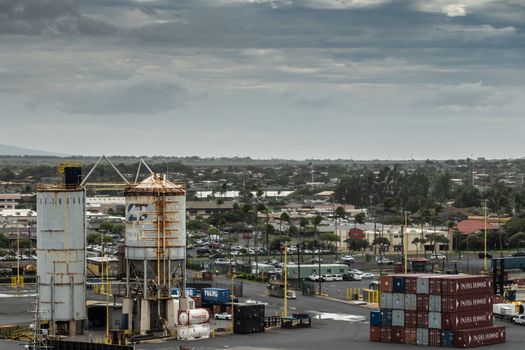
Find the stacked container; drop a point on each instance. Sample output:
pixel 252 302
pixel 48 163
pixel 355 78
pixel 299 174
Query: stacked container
pixel 436 310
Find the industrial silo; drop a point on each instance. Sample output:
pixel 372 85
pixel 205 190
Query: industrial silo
pixel 155 249
pixel 61 253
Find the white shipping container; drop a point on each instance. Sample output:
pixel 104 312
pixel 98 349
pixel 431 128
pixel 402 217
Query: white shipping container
pixel 422 336
pixel 434 320
pixel 422 285
pixel 398 318
pixel 398 301
pixel 434 303
pixel 386 300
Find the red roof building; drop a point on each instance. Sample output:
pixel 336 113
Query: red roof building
pixel 471 226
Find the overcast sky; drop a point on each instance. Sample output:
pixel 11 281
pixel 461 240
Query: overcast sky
pixel 295 79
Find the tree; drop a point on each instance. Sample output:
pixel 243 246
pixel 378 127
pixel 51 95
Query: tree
pixel 94 238
pixel 434 238
pixel 106 226
pixel 284 217
pixel 381 242
pixel 517 240
pixel 316 221
pixel 417 242
pixel 4 241
pixel 357 244
pixel 277 242
pixel 340 213
pixel 329 237
pixel 359 218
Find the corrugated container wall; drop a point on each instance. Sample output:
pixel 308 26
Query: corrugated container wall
pixel 61 251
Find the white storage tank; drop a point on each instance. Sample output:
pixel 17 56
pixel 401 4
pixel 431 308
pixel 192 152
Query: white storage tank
pixel 61 252
pixel 155 220
pixel 194 316
pixel 197 331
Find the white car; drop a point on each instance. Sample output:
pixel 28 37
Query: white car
pixel 327 278
pixel 313 277
pixel 348 259
pixel 223 316
pixel 221 261
pixel 368 275
pixel 520 319
pixel 438 257
pixel 338 277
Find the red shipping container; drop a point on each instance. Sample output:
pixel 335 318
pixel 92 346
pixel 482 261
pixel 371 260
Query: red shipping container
pixel 422 319
pixel 387 283
pixel 466 284
pixel 434 337
pixel 411 319
pixel 375 333
pixel 386 334
pixel 411 284
pixel 434 285
pixel 410 335
pixel 422 302
pixel 466 302
pixel 470 338
pixel 398 335
pixel 467 319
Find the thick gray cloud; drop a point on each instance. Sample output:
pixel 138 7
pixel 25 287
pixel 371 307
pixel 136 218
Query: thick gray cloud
pixel 48 16
pixel 237 73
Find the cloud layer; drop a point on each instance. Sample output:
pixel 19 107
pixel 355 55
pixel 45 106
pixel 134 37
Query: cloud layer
pixel 236 72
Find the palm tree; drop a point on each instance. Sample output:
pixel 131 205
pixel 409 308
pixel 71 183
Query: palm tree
pixel 359 218
pixel 417 242
pixel 284 217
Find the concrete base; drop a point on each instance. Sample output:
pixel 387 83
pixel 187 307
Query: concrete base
pixel 145 321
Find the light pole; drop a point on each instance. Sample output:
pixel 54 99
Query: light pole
pixel 485 237
pixel 232 296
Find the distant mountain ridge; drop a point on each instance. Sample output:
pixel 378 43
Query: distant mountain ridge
pixel 8 150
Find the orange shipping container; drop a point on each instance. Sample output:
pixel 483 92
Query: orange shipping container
pixel 387 283
pixel 375 333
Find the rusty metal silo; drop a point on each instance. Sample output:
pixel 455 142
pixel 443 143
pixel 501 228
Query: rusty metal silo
pixel 155 249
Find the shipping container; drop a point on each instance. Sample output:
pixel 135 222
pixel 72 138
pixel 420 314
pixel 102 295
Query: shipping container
pixel 466 302
pixel 411 284
pixel 473 337
pixel 375 333
pixel 410 335
pixel 398 284
pixel 386 334
pixel 398 301
pixel 386 283
pixel 422 302
pixel 213 296
pixel 422 285
pixel 447 338
pixel 386 300
pixel 398 318
pixel 411 319
pixel 466 284
pixel 422 336
pixel 410 302
pixel 466 319
pixel 434 285
pixel 422 319
pixel 375 318
pixel 434 303
pixel 434 337
pixel 386 317
pixel 398 335
pixel 434 320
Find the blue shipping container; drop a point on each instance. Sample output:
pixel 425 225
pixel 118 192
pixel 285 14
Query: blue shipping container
pixel 386 317
pixel 375 318
pixel 398 285
pixel 215 296
pixel 447 338
pixel 190 292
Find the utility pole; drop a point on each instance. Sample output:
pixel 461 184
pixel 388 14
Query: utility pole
pixel 485 237
pixel 285 309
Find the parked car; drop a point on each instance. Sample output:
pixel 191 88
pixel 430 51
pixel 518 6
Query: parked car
pixel 384 261
pixel 337 277
pixel 522 253
pixel 290 294
pixel 221 261
pixel 313 277
pixel 348 259
pixel 327 278
pixel 223 316
pixel 438 257
pixel 482 255
pixel 348 276
pixel 368 275
pixel 520 320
